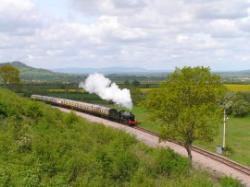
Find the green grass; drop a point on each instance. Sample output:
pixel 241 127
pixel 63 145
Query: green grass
pixel 41 146
pixel 145 119
pixel 237 139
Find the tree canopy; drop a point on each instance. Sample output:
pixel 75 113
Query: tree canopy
pixel 9 74
pixel 188 104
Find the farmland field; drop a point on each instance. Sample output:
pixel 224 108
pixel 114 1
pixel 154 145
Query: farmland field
pixel 230 87
pixel 238 87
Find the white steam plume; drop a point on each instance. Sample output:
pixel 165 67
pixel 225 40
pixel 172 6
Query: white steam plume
pixel 104 88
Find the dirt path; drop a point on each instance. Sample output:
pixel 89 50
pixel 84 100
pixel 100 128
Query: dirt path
pixel 199 160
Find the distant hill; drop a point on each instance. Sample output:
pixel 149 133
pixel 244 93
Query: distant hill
pixel 109 70
pixel 66 75
pixel 31 74
pixel 236 73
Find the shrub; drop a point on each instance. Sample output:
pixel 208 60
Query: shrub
pixel 169 163
pixel 24 144
pixel 228 151
pixel 5 178
pixel 240 108
pixel 71 118
pixel 125 164
pixel 229 182
pixel 34 111
pixel 31 179
pixel 3 110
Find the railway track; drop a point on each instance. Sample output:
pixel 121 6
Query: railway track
pixel 224 160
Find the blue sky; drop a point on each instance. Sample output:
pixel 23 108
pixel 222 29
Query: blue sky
pixel 160 34
pixel 54 7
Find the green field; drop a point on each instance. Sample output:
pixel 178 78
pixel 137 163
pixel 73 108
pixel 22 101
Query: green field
pixel 145 119
pixel 41 146
pixel 237 138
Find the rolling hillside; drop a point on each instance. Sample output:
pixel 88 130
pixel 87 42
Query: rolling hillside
pixel 41 146
pixel 30 74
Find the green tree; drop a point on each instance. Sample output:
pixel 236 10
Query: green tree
pixel 9 74
pixel 136 83
pixel 137 95
pixel 240 108
pixel 236 104
pixel 188 104
pixel 126 83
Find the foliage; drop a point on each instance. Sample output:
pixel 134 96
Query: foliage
pixel 71 118
pixel 167 163
pixel 229 182
pixel 136 83
pixel 245 96
pixel 188 104
pixel 126 83
pixel 45 147
pixel 136 94
pixel 237 104
pixel 240 108
pixel 9 74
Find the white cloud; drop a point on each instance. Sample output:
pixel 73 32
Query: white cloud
pixel 151 34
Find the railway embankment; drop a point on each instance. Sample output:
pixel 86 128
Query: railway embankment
pixel 200 160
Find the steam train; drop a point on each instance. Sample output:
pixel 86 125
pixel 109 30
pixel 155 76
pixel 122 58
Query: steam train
pixel 122 116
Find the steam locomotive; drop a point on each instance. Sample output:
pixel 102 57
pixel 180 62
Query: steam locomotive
pixel 122 116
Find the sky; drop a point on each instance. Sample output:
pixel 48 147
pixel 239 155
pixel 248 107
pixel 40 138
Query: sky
pixel 150 34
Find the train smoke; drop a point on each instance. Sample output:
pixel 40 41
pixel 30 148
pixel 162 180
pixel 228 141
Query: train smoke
pixel 104 88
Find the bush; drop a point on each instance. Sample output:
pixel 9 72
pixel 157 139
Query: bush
pixel 24 144
pixel 237 104
pixel 228 151
pixel 34 111
pixel 3 110
pixel 31 179
pixel 169 163
pixel 123 167
pixel 71 118
pixel 5 178
pixel 229 182
pixel 240 108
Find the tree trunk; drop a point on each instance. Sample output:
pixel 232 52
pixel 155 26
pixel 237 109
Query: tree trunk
pixel 188 148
